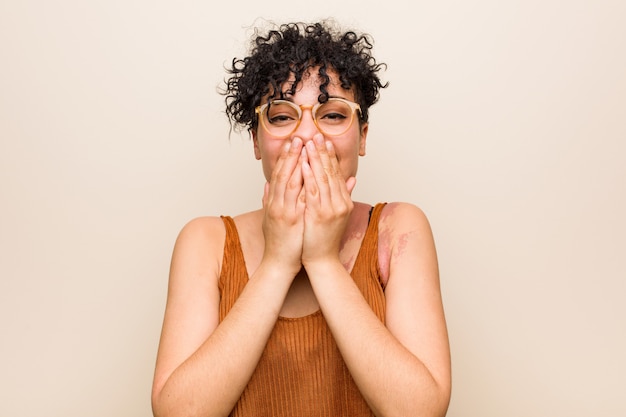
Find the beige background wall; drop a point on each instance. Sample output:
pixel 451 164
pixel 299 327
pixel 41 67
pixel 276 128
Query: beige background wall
pixel 504 120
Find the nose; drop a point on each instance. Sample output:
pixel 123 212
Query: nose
pixel 307 127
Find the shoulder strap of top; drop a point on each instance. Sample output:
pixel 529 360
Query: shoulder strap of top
pixel 371 234
pixel 233 253
pixel 367 259
pixel 233 276
pixel 376 210
pixel 232 244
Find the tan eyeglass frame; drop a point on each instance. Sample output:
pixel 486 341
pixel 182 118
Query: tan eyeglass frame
pixel 260 111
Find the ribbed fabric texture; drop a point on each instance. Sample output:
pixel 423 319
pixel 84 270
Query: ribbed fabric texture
pixel 301 372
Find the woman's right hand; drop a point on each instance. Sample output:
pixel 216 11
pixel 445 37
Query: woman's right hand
pixel 284 204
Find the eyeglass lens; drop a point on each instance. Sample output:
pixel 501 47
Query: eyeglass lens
pixel 333 117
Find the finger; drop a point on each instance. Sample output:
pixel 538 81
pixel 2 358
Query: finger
pixel 350 184
pixel 277 168
pixel 284 168
pixel 322 150
pixel 318 170
pixel 336 181
pixel 311 189
pixel 295 184
pixel 301 201
pixel 266 190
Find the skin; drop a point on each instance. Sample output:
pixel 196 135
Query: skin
pixel 299 248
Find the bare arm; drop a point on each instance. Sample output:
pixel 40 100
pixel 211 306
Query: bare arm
pixel 203 366
pixel 402 368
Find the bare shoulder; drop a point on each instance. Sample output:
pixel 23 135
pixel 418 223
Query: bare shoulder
pixel 206 227
pixel 402 217
pixel 404 230
pixel 199 246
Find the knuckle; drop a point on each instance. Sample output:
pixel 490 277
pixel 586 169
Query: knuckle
pixel 282 176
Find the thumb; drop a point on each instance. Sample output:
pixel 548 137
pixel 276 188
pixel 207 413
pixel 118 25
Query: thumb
pixel 350 184
pixel 266 191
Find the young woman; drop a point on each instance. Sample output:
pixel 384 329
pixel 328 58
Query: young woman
pixel 313 305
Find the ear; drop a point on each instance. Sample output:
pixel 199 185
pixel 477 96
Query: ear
pixel 363 139
pixel 255 141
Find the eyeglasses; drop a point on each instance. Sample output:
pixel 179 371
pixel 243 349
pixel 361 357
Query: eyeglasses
pixel 333 117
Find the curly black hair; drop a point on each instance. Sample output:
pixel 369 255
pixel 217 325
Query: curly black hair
pixel 294 48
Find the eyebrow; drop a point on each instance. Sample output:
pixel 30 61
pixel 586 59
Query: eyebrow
pixel 289 97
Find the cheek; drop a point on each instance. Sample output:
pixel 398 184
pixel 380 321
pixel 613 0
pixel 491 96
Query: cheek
pixel 346 149
pixel 348 157
pixel 268 152
pixel 269 147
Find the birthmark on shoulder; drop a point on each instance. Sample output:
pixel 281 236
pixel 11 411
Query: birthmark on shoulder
pixel 393 242
pixel 402 241
pixel 350 247
pixel 348 263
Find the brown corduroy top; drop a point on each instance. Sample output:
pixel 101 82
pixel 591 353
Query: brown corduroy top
pixel 301 372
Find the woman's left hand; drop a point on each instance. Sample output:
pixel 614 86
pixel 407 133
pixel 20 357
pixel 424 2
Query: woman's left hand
pixel 328 202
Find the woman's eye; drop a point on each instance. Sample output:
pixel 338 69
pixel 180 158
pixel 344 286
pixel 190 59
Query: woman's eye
pixel 280 118
pixel 334 116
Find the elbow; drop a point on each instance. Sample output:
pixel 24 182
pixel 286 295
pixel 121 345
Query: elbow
pixel 166 404
pixel 156 408
pixel 441 400
pixel 159 408
pixel 437 397
pixel 433 408
pixel 433 402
